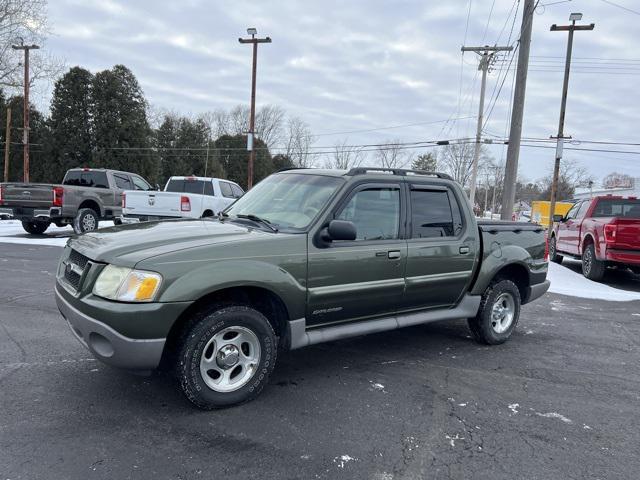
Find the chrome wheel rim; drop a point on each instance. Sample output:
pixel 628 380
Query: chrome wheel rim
pixel 502 313
pixel 88 223
pixel 230 359
pixel 586 261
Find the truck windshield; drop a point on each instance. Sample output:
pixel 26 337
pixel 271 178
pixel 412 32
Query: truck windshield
pixel 624 208
pixel 287 200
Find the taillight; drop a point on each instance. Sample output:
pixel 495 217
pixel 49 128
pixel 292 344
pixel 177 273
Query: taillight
pixel 124 200
pixel 1 195
pixel 185 204
pixel 58 193
pixel 610 233
pixel 546 248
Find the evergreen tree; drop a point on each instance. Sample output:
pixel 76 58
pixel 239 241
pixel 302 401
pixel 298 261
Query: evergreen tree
pixel 70 144
pixel 231 153
pixel 121 129
pixel 426 162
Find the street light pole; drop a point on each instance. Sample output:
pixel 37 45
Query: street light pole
pixel 252 116
pixel 25 133
pixel 563 104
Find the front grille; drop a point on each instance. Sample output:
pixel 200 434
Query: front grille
pixel 75 266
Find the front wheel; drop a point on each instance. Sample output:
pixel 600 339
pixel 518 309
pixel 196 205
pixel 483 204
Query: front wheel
pixel 35 227
pixel 592 268
pixel 226 356
pixel 498 314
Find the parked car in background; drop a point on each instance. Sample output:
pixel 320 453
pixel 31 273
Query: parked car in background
pixel 603 231
pixel 306 256
pixel 86 196
pixel 183 197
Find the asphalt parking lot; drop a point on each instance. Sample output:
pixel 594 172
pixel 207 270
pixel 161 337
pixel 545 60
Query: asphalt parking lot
pixel 560 400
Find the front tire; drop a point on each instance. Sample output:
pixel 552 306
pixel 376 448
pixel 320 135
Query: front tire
pixel 553 251
pixel 592 268
pixel 35 227
pixel 498 314
pixel 226 356
pixel 86 220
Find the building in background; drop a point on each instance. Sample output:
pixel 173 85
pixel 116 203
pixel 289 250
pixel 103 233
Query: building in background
pixel 631 189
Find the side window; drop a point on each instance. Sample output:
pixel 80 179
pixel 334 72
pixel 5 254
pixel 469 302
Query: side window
pixel 140 184
pixel 72 178
pixel 582 211
pixel 375 212
pixel 208 189
pixel 573 211
pixel 237 191
pixel 226 189
pixel 122 181
pixel 433 215
pixel 94 179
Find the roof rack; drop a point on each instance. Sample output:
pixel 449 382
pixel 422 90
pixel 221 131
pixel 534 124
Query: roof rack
pixel 397 171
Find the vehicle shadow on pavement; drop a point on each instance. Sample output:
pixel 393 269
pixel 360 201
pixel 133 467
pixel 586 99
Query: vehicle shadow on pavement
pixel 621 278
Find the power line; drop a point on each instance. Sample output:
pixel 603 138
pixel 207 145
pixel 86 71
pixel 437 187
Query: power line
pixel 621 6
pixel 386 128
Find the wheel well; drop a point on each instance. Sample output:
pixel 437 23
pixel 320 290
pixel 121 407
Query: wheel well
pixel 207 213
pixel 263 300
pixel 90 204
pixel 519 275
pixel 588 240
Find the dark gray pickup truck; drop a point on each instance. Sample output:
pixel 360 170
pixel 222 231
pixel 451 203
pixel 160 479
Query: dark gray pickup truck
pixel 86 196
pixel 306 256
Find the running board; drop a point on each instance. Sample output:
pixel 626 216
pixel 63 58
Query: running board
pixel 301 337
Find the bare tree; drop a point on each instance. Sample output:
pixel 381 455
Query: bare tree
pixel 269 124
pixel 456 159
pixel 572 175
pixel 393 155
pixel 298 143
pixel 345 156
pixel 24 21
pixel 268 127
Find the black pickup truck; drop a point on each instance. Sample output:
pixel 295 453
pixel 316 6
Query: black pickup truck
pixel 85 197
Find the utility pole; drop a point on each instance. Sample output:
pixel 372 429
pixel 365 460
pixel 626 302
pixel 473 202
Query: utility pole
pixel 7 145
pixel 252 117
pixel 486 59
pixel 25 132
pixel 563 104
pixel 515 131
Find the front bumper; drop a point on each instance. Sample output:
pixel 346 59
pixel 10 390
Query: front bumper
pixel 109 346
pixel 537 290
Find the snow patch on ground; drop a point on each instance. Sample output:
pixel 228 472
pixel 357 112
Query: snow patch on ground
pixel 514 407
pixel 342 460
pixel 11 231
pixel 554 415
pixel 567 282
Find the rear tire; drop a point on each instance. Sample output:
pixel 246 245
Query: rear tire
pixel 498 314
pixel 553 251
pixel 86 220
pixel 35 227
pixel 592 268
pixel 226 356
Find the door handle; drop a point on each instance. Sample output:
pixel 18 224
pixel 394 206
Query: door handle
pixel 464 250
pixel 394 254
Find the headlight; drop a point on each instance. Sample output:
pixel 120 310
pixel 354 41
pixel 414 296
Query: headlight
pixel 127 285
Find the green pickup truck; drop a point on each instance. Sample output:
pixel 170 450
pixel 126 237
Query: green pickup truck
pixel 307 256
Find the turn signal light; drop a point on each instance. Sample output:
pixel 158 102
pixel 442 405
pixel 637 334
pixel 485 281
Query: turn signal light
pixel 546 248
pixel 58 193
pixel 185 204
pixel 124 200
pixel 610 233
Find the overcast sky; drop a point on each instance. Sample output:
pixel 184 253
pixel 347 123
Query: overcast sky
pixel 368 64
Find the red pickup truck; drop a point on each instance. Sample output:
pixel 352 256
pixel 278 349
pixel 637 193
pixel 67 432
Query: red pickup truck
pixel 602 231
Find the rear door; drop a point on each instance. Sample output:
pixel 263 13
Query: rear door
pixel 350 280
pixel 442 248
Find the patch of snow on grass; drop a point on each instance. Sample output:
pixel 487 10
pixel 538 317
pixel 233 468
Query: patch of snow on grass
pixel 11 231
pixel 567 282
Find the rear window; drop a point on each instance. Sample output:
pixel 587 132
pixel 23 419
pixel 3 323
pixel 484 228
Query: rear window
pixel 80 178
pixel 189 186
pixel 617 208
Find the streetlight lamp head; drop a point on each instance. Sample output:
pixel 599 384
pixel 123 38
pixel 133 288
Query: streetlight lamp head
pixel 574 17
pixel 252 31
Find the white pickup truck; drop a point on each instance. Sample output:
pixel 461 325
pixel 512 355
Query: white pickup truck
pixel 183 197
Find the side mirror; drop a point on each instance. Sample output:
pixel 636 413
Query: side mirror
pixel 558 218
pixel 341 230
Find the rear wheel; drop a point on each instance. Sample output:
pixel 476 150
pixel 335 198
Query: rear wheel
pixel 498 314
pixel 35 227
pixel 86 220
pixel 226 356
pixel 553 251
pixel 592 268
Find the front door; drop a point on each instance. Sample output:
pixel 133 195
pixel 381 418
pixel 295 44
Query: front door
pixel 350 280
pixel 566 231
pixel 442 249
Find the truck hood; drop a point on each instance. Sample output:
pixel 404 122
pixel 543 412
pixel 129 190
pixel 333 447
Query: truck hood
pixel 127 245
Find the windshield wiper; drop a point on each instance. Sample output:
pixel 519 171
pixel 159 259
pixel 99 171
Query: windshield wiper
pixel 222 215
pixel 257 219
